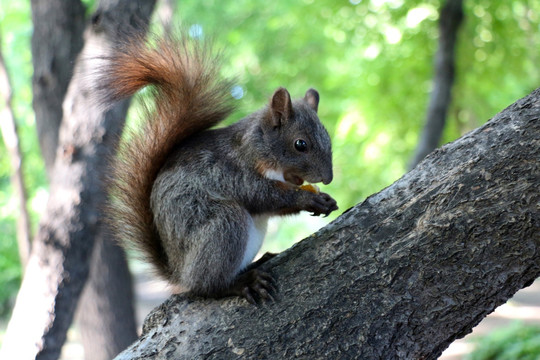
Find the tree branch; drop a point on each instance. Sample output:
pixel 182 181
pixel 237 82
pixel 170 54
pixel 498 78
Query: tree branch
pixel 401 275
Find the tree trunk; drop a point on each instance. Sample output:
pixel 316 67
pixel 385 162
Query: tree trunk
pixel 108 294
pixel 56 42
pixel 401 275
pixel 106 316
pixel 451 17
pixel 59 263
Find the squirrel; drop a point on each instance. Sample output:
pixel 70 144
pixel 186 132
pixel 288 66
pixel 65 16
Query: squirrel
pixel 193 198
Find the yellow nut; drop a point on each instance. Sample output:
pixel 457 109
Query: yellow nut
pixel 311 188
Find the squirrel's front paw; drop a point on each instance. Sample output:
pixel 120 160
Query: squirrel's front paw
pixel 320 203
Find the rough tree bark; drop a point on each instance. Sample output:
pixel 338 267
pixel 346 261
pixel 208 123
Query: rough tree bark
pixel 401 275
pixel 59 262
pixel 450 19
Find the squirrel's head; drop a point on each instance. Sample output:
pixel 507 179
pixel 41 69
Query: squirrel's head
pixel 300 147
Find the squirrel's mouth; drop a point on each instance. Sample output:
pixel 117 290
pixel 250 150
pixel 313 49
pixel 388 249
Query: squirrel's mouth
pixel 293 179
pixel 299 182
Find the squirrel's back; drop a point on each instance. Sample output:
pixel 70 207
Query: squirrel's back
pixel 189 96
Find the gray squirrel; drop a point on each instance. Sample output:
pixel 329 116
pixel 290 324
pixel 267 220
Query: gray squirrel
pixel 194 200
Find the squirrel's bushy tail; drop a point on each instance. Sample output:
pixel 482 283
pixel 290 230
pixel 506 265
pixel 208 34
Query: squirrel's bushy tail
pixel 189 96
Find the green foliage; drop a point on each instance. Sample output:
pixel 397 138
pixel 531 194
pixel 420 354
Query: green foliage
pixel 15 30
pixel 10 271
pixel 497 59
pixel 371 61
pixel 372 64
pixel 515 342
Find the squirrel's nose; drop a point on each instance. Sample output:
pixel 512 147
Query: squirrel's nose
pixel 327 177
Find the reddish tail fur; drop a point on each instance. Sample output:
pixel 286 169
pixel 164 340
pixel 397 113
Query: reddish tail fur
pixel 189 97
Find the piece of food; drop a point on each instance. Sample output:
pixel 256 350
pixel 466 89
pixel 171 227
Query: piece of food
pixel 311 188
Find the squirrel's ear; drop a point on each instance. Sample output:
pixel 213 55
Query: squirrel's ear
pixel 312 99
pixel 281 107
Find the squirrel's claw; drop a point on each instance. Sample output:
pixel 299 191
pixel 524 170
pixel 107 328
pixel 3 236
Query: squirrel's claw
pixel 246 293
pixel 255 286
pixel 321 203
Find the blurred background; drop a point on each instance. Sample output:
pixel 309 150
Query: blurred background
pixel 374 65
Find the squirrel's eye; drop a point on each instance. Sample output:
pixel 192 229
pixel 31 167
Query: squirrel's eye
pixel 300 145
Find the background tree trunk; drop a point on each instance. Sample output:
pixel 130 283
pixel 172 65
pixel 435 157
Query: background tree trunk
pixel 59 263
pixel 106 316
pixel 56 41
pixel 450 18
pixel 401 275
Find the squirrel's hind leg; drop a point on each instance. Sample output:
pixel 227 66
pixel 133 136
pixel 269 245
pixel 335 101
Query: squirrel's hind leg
pixel 218 253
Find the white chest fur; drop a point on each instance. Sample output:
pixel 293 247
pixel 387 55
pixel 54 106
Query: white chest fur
pixel 256 232
pixel 274 175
